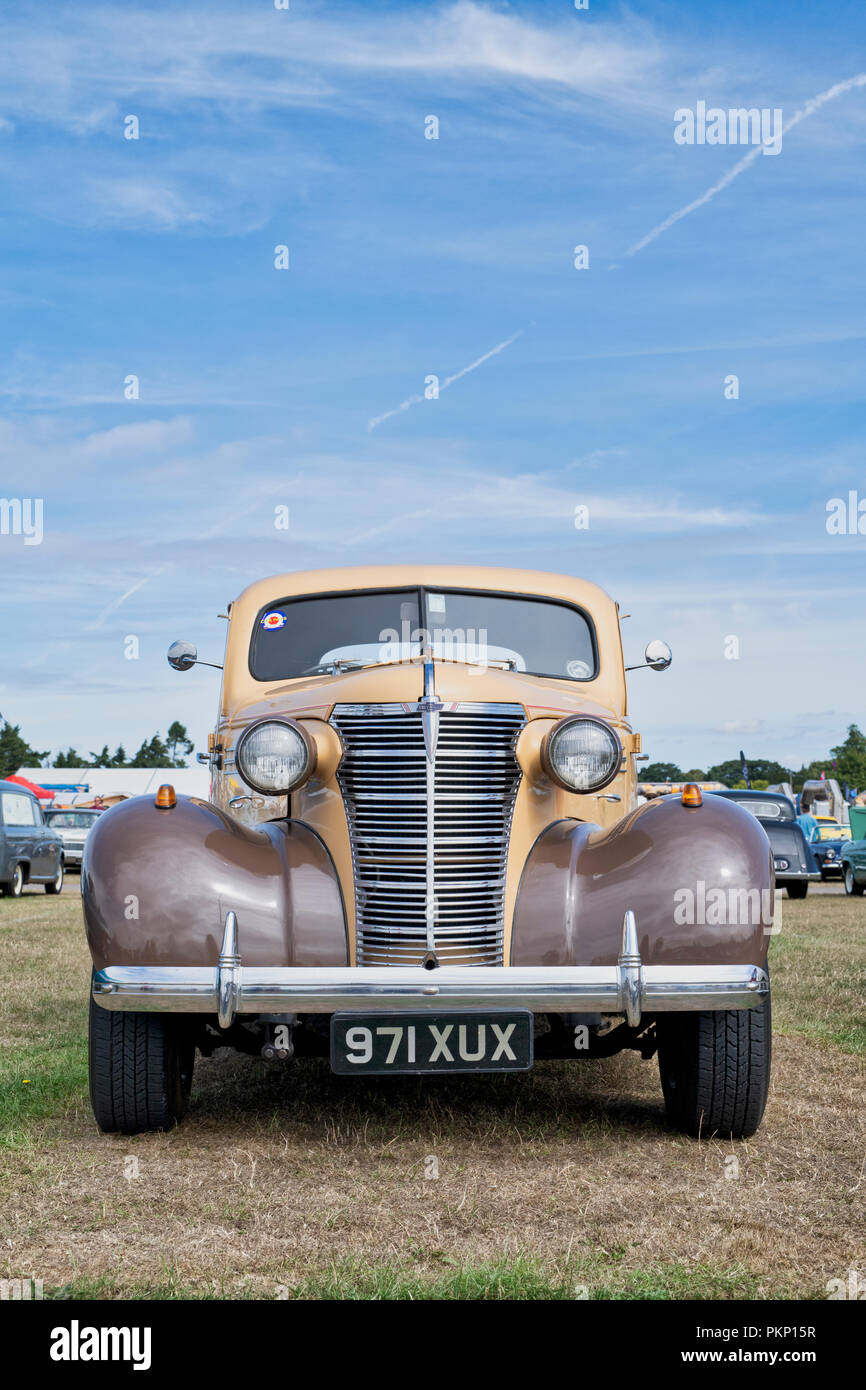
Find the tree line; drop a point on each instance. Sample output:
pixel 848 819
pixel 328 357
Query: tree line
pixel 846 763
pixel 172 751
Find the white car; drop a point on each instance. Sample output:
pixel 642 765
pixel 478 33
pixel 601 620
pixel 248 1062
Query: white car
pixel 73 825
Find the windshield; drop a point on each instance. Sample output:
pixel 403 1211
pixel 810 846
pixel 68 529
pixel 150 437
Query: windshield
pixel 72 820
pixel 833 832
pixel 767 810
pixel 302 637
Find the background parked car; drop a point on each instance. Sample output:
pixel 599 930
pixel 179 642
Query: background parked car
pixel 795 864
pixel 853 861
pixel 73 825
pixel 30 850
pixel 853 854
pixel 828 841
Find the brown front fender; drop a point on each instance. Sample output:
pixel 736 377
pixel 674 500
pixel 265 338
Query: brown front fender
pixel 699 881
pixel 157 884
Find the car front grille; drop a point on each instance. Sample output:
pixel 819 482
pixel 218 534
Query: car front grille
pixel 389 804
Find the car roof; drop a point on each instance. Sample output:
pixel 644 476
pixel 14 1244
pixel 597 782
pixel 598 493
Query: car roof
pixel 15 787
pixel 606 688
pixel 758 795
pixel 492 578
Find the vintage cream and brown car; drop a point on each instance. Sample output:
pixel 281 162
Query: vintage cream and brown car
pixel 423 853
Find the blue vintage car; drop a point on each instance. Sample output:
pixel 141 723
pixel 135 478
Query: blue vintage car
pixel 828 841
pixel 30 850
pixel 795 864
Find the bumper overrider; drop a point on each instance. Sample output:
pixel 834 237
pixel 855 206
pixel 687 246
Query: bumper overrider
pixel 230 988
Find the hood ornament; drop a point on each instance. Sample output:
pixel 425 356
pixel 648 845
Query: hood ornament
pixel 430 706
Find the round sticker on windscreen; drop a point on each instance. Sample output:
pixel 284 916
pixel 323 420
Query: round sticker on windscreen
pixel 271 621
pixel 578 670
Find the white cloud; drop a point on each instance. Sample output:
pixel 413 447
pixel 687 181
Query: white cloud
pixel 145 437
pixel 267 58
pixel 154 202
pixel 472 502
pixel 477 39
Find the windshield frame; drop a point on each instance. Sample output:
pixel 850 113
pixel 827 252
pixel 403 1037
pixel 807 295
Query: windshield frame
pixel 421 592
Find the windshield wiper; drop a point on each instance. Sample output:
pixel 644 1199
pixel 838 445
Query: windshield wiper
pixel 506 663
pixel 337 666
pixel 341 664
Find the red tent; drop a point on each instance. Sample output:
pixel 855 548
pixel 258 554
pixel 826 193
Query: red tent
pixel 41 792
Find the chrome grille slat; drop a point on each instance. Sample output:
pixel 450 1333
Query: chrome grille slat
pixel 383 779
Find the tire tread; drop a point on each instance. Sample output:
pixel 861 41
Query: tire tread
pixel 715 1069
pixel 140 1070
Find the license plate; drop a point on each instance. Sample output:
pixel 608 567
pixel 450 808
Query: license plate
pixel 448 1042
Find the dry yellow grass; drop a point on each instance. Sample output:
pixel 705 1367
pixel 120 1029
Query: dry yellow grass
pixel 278 1175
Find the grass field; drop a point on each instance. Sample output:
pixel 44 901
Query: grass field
pixel 563 1183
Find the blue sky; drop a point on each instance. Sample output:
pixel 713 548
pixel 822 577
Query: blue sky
pixel 411 257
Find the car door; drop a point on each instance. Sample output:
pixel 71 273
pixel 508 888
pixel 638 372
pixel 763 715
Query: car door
pixel 855 850
pixel 47 846
pixel 19 824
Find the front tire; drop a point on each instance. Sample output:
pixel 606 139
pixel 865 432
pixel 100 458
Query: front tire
pixel 715 1070
pixel 852 887
pixel 140 1070
pixel 798 890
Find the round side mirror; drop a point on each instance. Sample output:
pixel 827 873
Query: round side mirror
pixel 658 655
pixel 182 656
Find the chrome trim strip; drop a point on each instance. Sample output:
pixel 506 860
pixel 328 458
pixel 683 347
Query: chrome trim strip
pixel 543 989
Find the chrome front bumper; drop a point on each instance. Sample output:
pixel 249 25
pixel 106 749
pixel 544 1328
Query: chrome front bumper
pixel 628 988
pixel 543 989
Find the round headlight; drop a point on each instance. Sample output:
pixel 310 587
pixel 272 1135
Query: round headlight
pixel 275 756
pixel 582 755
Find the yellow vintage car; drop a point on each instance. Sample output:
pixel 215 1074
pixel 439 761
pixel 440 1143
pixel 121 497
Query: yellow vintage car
pixel 423 853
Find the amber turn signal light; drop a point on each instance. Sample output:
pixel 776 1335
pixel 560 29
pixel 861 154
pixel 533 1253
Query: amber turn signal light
pixel 692 795
pixel 165 797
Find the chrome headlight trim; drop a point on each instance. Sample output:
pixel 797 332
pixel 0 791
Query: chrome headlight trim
pixel 291 784
pixel 549 746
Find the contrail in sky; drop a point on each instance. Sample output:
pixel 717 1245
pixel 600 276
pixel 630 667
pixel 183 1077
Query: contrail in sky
pixel 116 603
pixel 415 400
pixel 814 104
